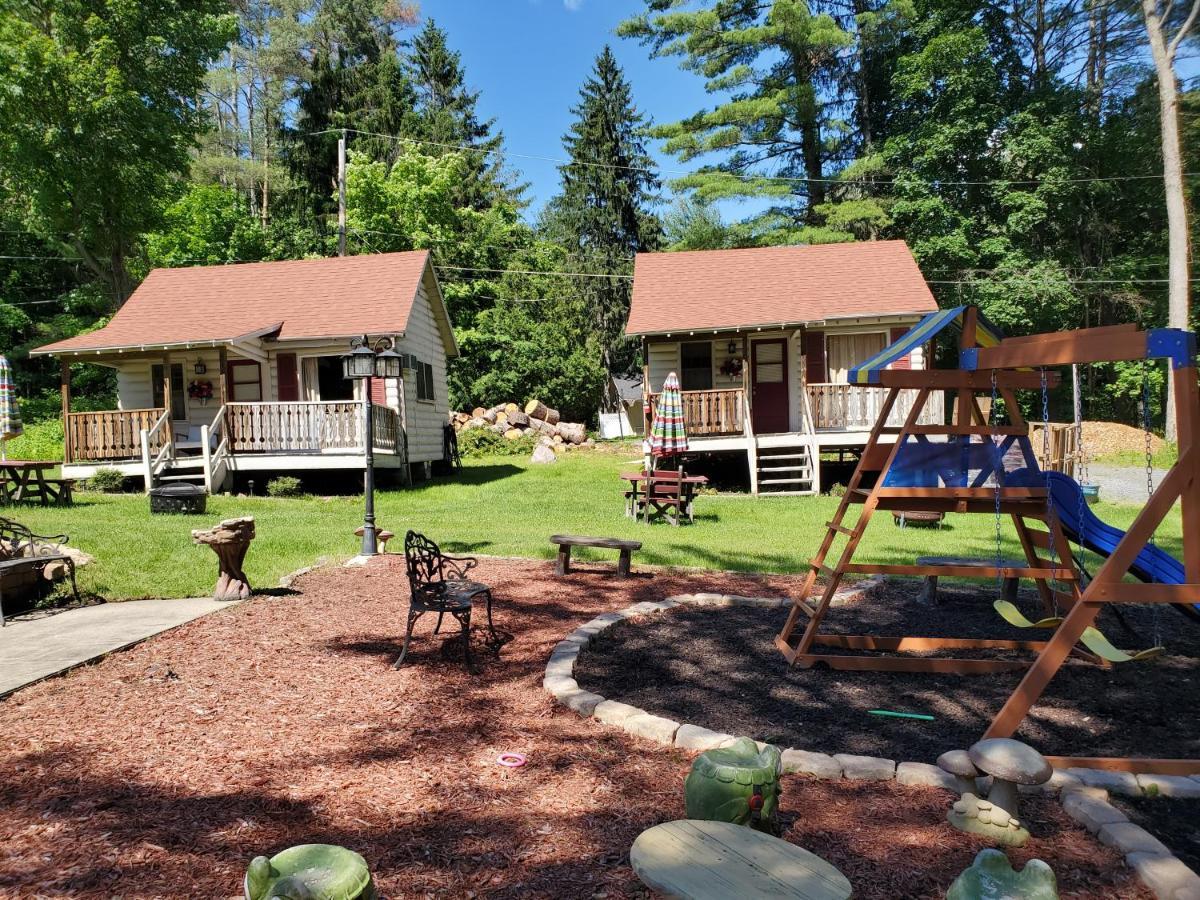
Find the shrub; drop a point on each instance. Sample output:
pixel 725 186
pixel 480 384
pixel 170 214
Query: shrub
pixel 106 481
pixel 41 440
pixel 284 486
pixel 484 442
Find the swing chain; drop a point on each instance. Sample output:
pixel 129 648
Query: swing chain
pixel 994 417
pixel 1051 518
pixel 1146 434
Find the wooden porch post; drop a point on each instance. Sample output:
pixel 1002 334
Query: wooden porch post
pixel 222 380
pixel 65 381
pixel 166 384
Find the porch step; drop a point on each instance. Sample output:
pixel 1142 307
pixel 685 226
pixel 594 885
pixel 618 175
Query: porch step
pixel 195 476
pixel 785 471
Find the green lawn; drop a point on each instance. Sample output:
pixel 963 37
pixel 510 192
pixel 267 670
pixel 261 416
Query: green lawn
pixel 499 506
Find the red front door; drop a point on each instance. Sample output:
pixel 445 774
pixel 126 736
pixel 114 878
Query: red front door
pixel 768 386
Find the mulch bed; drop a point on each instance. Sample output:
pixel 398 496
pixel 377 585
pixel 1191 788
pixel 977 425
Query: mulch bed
pixel 1174 821
pixel 162 770
pixel 718 667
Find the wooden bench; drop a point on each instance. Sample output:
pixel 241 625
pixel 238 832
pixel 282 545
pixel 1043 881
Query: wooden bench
pixel 566 541
pixel 1007 592
pixel 697 860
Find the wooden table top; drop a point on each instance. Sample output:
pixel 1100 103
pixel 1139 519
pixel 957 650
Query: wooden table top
pixel 643 476
pixel 697 860
pixel 28 463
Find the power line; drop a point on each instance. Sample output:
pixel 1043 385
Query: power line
pixel 534 272
pixel 568 250
pixel 800 179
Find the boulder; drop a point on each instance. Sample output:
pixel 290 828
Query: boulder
pixel 543 454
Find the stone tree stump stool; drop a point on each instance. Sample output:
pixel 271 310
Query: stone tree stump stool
pixel 229 540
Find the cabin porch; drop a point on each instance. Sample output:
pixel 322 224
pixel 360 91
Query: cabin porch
pixel 205 427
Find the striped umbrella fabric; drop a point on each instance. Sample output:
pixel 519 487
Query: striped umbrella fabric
pixel 10 412
pixel 667 434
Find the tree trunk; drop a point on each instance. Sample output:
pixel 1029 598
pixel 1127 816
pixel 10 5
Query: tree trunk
pixel 1162 50
pixel 538 410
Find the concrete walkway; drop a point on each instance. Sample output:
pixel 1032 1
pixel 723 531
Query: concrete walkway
pixel 36 646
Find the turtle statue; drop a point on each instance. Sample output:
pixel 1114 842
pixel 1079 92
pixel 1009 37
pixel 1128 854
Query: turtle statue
pixel 991 877
pixel 310 872
pixel 737 784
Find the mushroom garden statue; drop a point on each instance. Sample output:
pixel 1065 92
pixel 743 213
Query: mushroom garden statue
pixel 230 540
pixel 1011 764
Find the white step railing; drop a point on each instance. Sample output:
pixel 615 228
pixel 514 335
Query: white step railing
pixel 151 437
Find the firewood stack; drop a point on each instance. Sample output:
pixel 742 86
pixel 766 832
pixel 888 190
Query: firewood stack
pixel 510 421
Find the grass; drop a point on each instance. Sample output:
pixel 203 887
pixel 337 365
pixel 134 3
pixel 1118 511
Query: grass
pixel 498 506
pixel 1162 458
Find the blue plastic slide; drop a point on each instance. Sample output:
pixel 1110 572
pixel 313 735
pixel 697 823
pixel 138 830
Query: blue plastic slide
pixel 1152 564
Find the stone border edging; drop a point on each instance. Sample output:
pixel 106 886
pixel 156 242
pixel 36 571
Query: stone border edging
pixel 1083 793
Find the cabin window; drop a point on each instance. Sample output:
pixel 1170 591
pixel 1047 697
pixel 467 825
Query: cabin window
pixel 178 397
pixel 332 384
pixel 425 381
pixel 845 351
pixel 245 381
pixel 696 366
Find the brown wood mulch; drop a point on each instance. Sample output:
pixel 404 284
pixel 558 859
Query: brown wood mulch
pixel 719 668
pixel 162 770
pixel 1173 820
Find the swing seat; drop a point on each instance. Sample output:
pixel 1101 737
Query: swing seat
pixel 1092 637
pixel 1094 640
pixel 1013 616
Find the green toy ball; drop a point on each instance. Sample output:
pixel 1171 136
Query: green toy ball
pixel 310 872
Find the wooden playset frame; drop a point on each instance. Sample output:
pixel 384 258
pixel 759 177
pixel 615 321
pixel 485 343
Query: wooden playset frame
pixel 999 370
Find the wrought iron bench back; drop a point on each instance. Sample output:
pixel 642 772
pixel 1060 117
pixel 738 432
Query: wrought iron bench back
pixel 428 568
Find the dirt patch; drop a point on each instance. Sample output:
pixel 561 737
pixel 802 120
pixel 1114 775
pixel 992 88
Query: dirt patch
pixel 1174 821
pixel 718 667
pixel 162 770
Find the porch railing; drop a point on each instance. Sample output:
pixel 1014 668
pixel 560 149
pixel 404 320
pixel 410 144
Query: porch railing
pixel 307 427
pixel 157 435
pixel 855 407
pixel 385 423
pixel 713 412
pixel 109 435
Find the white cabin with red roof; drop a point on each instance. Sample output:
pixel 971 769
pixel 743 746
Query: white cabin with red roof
pixel 236 368
pixel 762 340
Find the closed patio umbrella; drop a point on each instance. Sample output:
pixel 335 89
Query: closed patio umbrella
pixel 667 434
pixel 10 412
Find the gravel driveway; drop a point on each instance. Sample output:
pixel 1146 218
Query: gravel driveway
pixel 1122 484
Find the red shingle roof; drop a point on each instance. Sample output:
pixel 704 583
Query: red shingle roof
pixel 718 289
pixel 304 298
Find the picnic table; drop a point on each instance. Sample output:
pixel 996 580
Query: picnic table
pixel 636 479
pixel 25 479
pixel 699 860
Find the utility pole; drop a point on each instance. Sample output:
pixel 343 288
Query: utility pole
pixel 341 179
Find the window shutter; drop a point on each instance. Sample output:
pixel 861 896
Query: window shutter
pixel 814 353
pixel 904 362
pixel 379 391
pixel 288 374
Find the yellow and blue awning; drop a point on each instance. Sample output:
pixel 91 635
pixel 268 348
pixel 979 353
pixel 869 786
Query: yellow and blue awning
pixel 986 334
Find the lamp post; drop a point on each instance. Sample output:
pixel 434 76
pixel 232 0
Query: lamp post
pixel 364 362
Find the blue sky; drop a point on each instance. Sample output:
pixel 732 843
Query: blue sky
pixel 529 59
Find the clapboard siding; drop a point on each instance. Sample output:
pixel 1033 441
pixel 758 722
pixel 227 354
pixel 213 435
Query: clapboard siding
pixel 424 419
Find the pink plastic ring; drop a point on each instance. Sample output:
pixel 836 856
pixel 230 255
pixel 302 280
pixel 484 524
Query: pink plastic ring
pixel 511 760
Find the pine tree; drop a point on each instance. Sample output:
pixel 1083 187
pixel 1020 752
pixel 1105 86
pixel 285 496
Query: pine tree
pixel 608 187
pixel 446 117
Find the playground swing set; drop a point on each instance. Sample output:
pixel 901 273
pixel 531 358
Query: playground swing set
pixel 982 464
